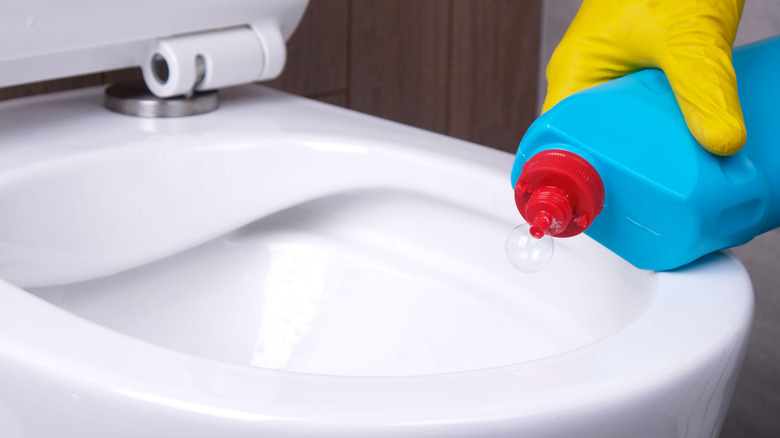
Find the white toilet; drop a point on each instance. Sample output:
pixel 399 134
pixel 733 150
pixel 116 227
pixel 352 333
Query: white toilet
pixel 281 267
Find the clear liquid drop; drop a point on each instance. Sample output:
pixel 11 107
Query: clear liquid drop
pixel 527 253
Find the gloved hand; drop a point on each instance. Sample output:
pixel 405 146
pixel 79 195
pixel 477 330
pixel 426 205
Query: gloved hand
pixel 690 40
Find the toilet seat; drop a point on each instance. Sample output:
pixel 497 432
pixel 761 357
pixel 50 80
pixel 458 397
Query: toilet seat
pixel 50 39
pixel 676 344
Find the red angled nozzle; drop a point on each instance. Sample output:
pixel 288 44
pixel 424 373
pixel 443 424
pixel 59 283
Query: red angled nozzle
pixel 558 193
pixel 548 210
pixel 540 225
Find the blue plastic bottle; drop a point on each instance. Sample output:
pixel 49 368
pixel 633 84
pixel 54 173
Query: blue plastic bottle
pixel 666 200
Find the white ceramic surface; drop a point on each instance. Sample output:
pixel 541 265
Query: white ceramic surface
pixel 282 267
pixel 49 39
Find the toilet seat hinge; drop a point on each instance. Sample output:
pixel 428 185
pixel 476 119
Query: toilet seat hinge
pixel 184 64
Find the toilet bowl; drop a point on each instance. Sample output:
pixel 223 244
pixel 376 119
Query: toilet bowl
pixel 282 267
pixel 285 267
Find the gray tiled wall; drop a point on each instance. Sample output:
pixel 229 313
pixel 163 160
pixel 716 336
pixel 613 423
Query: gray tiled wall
pixel 755 410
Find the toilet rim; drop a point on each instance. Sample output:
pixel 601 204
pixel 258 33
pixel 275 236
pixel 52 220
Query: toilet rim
pixel 714 293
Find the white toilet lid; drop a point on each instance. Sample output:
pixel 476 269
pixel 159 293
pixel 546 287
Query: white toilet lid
pixel 47 39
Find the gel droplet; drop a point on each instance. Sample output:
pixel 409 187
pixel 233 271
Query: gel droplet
pixel 527 253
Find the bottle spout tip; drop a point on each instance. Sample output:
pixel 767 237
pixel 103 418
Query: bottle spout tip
pixel 540 226
pixel 537 232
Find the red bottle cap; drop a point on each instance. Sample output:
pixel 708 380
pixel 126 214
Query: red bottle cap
pixel 558 192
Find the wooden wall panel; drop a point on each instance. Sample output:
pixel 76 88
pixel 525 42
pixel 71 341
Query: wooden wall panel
pixel 466 68
pixel 90 80
pixel 51 86
pixel 399 60
pixel 495 54
pixel 317 53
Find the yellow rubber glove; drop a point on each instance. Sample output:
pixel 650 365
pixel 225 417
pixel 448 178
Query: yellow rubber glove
pixel 690 40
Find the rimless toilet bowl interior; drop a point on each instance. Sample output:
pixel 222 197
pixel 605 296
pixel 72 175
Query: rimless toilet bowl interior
pixel 284 267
